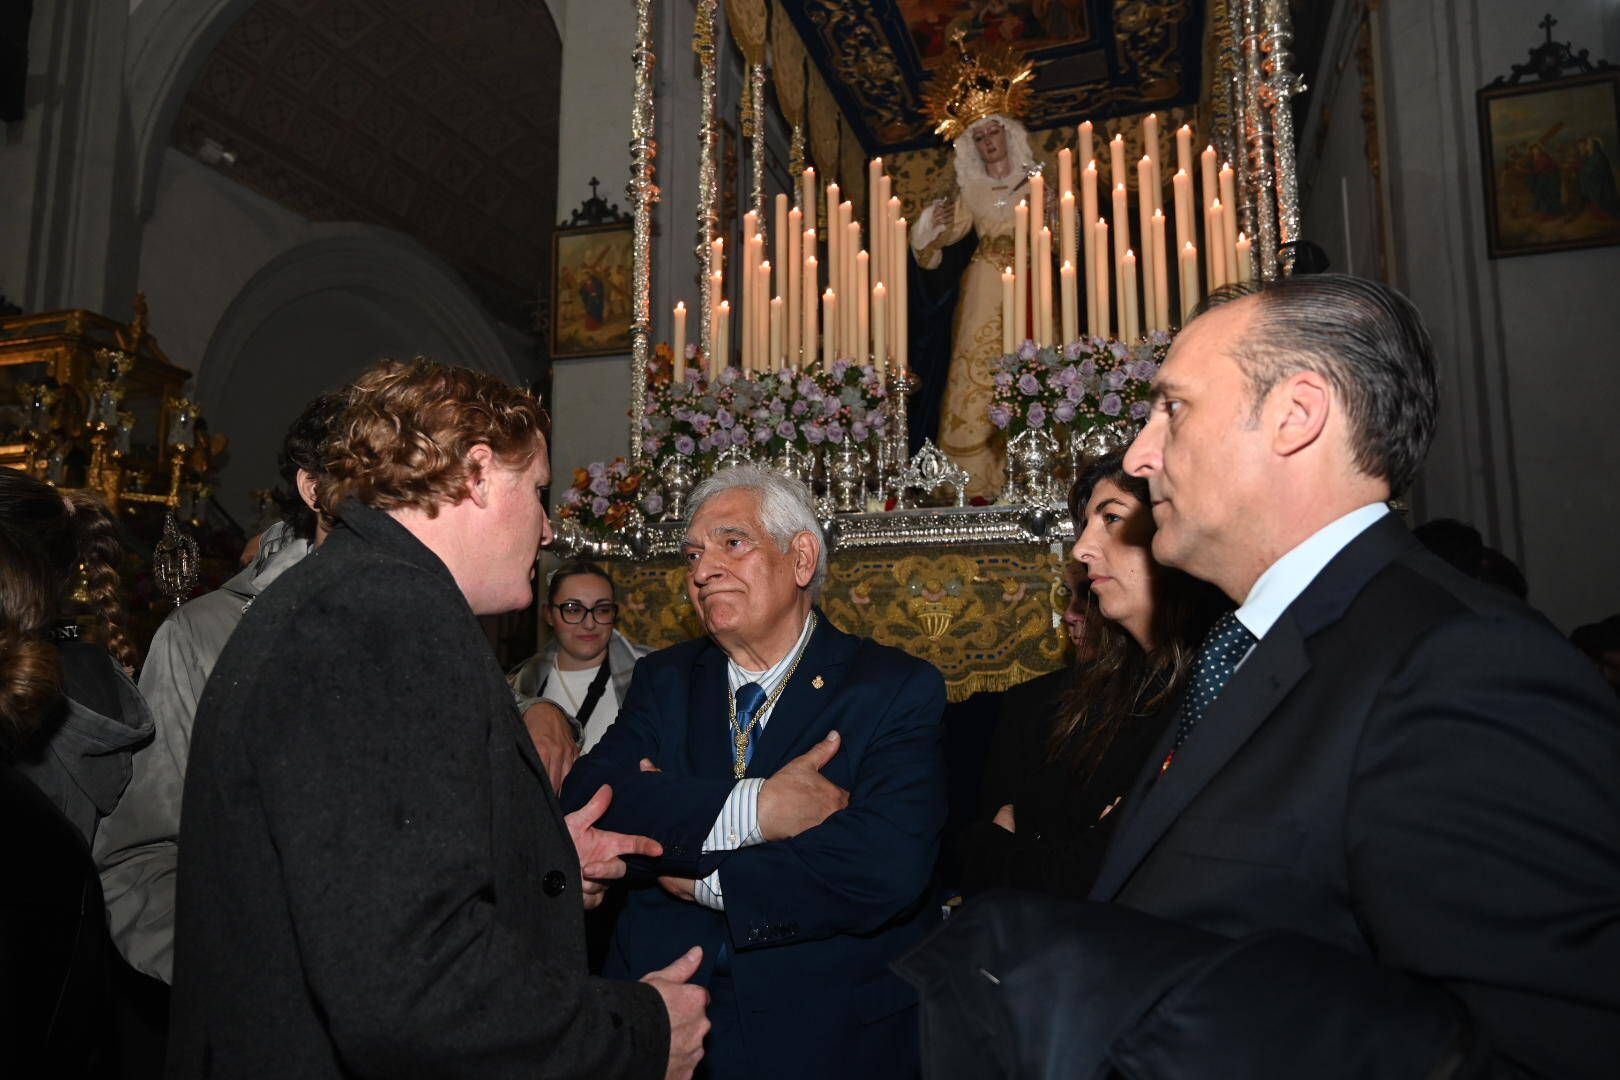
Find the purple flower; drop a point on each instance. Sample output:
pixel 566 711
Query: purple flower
pixel 859 431
pixel 1114 379
pixel 1073 349
pixel 739 436
pixel 1027 350
pixel 684 445
pixel 700 422
pixel 1000 415
pixel 800 407
pixel 725 419
pixel 762 434
pixel 681 413
pixel 807 387
pixel 1036 417
pixel 1088 368
pixel 1140 410
pixel 1119 349
pixel 786 430
pixel 1112 405
pixel 599 506
pixel 654 503
pixel 1075 393
pixel 729 375
pixel 691 354
pixel 571 497
pixel 835 432
pixel 601 486
pixel 815 434
pixel 595 469
pixel 1064 412
pixel 1144 370
pixel 1028 383
pixel 650 445
pixel 1003 379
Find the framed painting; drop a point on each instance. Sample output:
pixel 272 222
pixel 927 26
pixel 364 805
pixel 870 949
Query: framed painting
pixel 590 290
pixel 1550 167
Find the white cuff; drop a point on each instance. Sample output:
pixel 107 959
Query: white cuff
pixel 707 892
pixel 738 823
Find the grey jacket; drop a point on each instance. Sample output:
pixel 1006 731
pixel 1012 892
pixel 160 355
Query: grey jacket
pixel 137 846
pixel 529 677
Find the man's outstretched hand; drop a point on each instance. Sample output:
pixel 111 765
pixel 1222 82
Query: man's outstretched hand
pixel 601 853
pixel 797 797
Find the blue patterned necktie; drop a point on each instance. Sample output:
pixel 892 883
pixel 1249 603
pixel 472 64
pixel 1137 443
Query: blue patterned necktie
pixel 1228 642
pixel 750 696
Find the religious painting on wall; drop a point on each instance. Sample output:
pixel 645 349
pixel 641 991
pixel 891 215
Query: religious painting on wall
pixel 1550 168
pixel 590 274
pixel 1026 24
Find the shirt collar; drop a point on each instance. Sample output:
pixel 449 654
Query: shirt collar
pixel 737 675
pixel 1289 576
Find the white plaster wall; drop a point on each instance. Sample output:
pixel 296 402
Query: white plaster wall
pixel 1527 447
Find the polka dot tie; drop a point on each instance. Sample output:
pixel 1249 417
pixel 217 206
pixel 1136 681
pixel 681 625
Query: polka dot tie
pixel 1229 641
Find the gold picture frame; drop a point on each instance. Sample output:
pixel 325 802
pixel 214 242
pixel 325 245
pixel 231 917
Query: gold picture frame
pixel 590 290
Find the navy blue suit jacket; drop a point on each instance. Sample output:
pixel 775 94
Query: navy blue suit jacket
pixel 812 922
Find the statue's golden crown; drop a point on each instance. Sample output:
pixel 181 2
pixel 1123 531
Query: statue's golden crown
pixel 990 80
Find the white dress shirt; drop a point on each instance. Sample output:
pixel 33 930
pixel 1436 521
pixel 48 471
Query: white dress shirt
pixel 738 823
pixel 1289 576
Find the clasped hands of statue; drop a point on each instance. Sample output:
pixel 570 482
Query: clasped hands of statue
pixel 792 800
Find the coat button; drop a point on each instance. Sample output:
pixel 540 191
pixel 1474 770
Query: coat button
pixel 554 882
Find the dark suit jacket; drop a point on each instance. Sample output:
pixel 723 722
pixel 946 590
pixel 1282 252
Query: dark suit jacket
pixel 813 922
pixel 1411 769
pixel 375 878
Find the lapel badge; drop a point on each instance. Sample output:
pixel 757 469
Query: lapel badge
pixel 818 682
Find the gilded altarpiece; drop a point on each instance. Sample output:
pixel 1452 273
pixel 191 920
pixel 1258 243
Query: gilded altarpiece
pixel 984 615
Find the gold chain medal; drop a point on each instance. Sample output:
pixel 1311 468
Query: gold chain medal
pixel 740 738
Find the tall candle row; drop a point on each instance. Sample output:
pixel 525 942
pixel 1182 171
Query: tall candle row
pixel 1091 272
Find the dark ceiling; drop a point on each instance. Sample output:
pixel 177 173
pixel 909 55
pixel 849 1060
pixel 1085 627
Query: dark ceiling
pixel 1093 58
pixel 434 117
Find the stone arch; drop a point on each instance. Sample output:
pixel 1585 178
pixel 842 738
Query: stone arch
pixel 316 315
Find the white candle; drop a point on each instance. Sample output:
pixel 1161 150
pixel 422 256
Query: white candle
pixel 851 290
pixel 880 326
pixel 763 360
pixel 1065 172
pixel 1207 194
pixel 1127 286
pixel 1228 184
pixel 895 252
pixel 1244 267
pixel 1161 275
pixel 1008 300
pixel 808 199
pixel 1037 203
pixel 1150 150
pixel 807 347
pixel 795 292
pixel 863 326
pixel 1071 312
pixel 1189 280
pixel 1088 214
pixel 779 246
pixel 1043 286
pixel 1088 151
pixel 879 231
pixel 680 341
pixel 902 297
pixel 1116 161
pixel 1066 226
pixel 1122 242
pixel 1020 271
pixel 1144 225
pixel 778 319
pixel 1182 183
pixel 835 260
pixel 722 339
pixel 1217 232
pixel 1184 158
pixel 829 319
pixel 1100 316
pixel 717 256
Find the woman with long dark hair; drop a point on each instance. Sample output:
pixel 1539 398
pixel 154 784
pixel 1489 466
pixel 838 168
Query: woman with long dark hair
pixel 1070 744
pixel 69 718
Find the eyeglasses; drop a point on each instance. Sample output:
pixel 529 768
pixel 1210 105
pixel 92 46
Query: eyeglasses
pixel 572 611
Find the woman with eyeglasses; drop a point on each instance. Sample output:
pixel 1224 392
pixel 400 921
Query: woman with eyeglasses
pixel 586 668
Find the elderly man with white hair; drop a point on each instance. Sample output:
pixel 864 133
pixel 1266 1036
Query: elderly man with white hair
pixel 794 777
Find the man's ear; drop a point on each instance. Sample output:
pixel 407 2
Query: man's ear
pixel 479 460
pixel 1298 409
pixel 806 552
pixel 305 481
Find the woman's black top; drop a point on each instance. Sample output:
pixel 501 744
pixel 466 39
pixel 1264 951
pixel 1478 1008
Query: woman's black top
pixel 1059 807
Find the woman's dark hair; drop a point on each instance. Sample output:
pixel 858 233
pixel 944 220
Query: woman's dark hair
pixel 1123 682
pixel 574 569
pixel 304 447
pixel 47 539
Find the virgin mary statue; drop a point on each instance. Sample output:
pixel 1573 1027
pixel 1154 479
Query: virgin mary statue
pixel 976 105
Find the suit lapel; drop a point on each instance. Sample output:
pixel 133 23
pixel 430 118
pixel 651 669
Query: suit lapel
pixel 1257 687
pixel 708 740
pixel 1277 663
pixel 826 655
